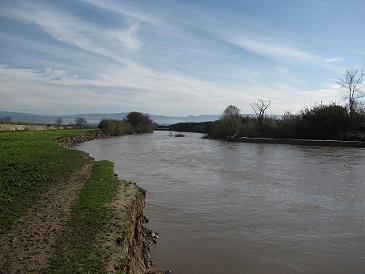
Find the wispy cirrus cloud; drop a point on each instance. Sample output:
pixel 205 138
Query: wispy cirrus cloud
pixel 177 61
pixel 117 7
pixel 273 47
pixel 73 30
pixel 270 48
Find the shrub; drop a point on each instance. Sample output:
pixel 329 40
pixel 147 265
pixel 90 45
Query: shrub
pixel 115 127
pixel 323 122
pixel 140 122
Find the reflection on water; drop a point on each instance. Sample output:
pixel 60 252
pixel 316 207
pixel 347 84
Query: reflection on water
pixel 246 208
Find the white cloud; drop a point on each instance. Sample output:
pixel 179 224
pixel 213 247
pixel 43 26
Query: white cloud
pixel 128 37
pixel 272 49
pixel 335 60
pixel 116 7
pixel 266 46
pixel 139 88
pixel 72 30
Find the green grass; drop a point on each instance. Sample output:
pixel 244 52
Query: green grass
pixel 76 248
pixel 30 162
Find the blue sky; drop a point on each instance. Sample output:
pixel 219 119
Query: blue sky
pixel 175 57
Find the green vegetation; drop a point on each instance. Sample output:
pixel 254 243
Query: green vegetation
pixel 330 121
pixel 140 122
pixel 202 127
pixel 115 127
pixel 76 251
pixel 30 162
pixel 134 123
pixel 318 122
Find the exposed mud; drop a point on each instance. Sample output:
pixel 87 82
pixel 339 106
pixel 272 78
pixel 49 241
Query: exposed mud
pixel 125 241
pixel 31 242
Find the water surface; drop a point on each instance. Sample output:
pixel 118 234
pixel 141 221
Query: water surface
pixel 246 208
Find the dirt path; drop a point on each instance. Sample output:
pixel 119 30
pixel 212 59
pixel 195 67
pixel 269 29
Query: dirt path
pixel 31 242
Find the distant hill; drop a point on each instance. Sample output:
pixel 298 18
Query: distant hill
pixel 94 118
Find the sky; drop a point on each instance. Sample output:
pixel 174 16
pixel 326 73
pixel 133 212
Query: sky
pixel 176 57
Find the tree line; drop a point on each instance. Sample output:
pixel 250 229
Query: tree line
pixel 134 123
pixel 321 121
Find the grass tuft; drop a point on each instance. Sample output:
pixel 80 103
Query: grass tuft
pixel 76 251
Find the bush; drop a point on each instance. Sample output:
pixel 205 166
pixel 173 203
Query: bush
pixel 323 122
pixel 228 125
pixel 248 127
pixel 140 122
pixel 115 127
pixel 201 127
pixel 288 126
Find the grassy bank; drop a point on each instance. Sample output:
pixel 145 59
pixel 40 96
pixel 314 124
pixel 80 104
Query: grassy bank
pixel 76 251
pixel 72 208
pixel 30 162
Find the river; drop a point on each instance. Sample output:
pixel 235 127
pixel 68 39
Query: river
pixel 224 207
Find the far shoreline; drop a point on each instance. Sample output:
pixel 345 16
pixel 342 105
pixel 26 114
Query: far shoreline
pixel 311 142
pixel 282 141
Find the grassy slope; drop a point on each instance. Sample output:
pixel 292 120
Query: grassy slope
pixel 76 248
pixel 30 162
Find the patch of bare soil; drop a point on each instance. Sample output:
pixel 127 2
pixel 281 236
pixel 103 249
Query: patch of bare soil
pixel 31 242
pixel 124 242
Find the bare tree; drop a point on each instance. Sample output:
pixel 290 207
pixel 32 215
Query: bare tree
pixel 352 82
pixel 59 121
pixel 360 107
pixel 80 122
pixel 260 108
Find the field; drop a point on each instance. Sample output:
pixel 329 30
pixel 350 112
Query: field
pixel 30 162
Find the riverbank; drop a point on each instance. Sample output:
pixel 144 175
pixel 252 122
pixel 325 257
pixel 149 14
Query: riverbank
pixel 309 142
pixel 50 194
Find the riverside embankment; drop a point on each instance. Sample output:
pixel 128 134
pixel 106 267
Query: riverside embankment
pixel 63 212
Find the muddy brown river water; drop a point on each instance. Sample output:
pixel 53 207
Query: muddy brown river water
pixel 246 208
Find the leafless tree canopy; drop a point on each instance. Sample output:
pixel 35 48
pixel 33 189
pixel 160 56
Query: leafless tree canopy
pixel 80 122
pixel 260 107
pixel 352 82
pixel 59 121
